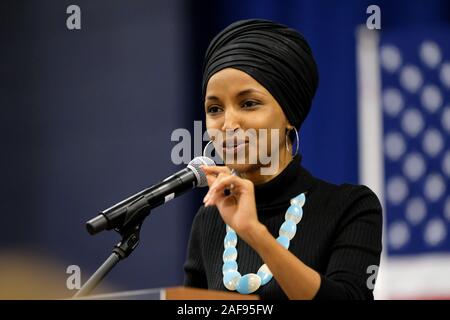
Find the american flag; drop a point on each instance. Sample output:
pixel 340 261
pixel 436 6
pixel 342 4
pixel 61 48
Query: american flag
pixel 410 88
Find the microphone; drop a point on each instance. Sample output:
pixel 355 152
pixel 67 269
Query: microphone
pixel 135 208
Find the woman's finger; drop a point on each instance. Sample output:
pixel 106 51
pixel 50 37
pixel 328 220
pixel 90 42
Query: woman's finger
pixel 214 181
pixel 219 178
pixel 216 169
pixel 211 193
pixel 213 171
pixel 210 179
pixel 229 182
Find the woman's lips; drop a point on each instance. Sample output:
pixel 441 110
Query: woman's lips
pixel 234 147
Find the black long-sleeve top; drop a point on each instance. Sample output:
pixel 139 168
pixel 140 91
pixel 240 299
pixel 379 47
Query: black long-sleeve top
pixel 339 236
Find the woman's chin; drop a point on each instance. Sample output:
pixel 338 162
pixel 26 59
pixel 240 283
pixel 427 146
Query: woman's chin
pixel 241 168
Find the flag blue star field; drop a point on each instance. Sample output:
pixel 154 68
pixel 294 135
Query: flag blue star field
pixel 414 94
pixel 415 78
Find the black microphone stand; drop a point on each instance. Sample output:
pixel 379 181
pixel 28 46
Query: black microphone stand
pixel 130 233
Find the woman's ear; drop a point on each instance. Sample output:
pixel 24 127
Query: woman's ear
pixel 289 128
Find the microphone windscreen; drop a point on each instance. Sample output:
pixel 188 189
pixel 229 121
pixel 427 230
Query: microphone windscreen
pixel 195 164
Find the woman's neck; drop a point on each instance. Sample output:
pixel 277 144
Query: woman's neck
pixel 257 178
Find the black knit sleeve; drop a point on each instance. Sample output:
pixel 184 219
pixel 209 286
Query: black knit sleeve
pixel 194 272
pixel 356 247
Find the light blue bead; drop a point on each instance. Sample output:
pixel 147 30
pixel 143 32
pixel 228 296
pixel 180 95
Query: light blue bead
pixel 242 286
pixel 229 266
pixel 299 200
pixel 230 239
pixel 294 213
pixel 265 277
pixel 284 241
pixel 231 280
pixel 265 274
pixel 230 254
pixel 228 228
pixel 288 229
pixel 248 283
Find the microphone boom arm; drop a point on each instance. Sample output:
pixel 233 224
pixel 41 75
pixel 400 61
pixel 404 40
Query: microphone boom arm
pixel 127 216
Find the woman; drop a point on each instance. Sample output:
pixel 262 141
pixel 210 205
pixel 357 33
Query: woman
pixel 285 234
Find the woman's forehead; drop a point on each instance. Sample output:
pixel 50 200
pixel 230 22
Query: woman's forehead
pixel 233 81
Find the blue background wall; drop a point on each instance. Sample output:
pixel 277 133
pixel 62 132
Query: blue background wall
pixel 86 116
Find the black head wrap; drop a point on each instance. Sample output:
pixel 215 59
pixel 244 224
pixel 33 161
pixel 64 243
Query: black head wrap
pixel 278 57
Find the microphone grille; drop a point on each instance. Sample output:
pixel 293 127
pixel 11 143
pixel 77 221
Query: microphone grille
pixel 195 164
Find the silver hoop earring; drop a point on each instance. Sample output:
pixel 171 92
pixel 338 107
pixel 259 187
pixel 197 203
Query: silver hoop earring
pixel 204 149
pixel 296 140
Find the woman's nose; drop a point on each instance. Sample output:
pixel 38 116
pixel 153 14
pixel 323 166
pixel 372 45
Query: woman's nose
pixel 232 121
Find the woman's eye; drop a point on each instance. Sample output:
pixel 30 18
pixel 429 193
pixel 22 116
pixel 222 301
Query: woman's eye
pixel 249 104
pixel 213 109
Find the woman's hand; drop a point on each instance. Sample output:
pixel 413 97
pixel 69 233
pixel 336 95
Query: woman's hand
pixel 238 209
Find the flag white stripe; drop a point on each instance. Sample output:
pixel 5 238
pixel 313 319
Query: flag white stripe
pixel 412 277
pixel 370 127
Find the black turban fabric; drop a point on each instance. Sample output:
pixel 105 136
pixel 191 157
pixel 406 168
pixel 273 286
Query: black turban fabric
pixel 278 57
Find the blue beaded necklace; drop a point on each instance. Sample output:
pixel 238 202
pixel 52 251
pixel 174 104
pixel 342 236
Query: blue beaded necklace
pixel 251 282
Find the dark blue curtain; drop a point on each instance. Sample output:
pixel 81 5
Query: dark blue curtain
pixel 86 120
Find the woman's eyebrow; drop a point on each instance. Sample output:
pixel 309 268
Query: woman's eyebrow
pixel 212 98
pixel 247 91
pixel 239 94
